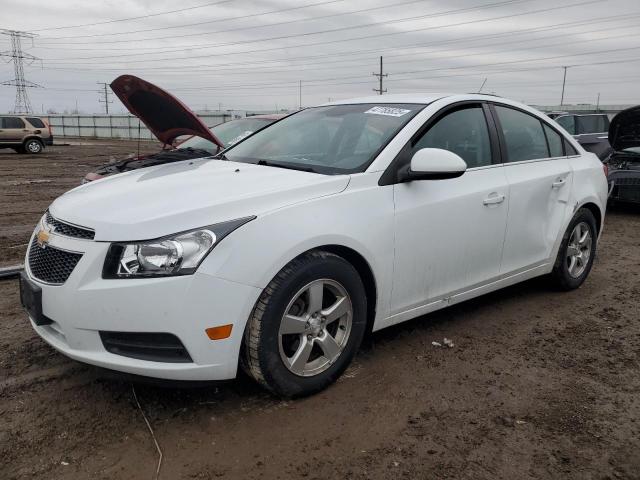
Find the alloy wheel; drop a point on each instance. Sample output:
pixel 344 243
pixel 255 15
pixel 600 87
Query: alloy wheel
pixel 33 147
pixel 579 249
pixel 315 327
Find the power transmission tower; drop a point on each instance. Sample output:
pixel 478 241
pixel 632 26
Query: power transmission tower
pixel 380 76
pixel 18 57
pixel 106 100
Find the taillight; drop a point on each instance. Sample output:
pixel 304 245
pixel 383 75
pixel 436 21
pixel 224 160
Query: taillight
pixel 605 168
pixel 49 127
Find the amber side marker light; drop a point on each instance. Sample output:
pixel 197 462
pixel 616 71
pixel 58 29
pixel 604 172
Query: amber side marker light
pixel 219 333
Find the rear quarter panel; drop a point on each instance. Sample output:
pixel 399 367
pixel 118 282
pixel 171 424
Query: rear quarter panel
pixel 589 184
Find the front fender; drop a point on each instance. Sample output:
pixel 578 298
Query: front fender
pixel 360 218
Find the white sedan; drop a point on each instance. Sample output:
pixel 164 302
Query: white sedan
pixel 281 253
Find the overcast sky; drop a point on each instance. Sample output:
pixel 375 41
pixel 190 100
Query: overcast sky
pixel 249 54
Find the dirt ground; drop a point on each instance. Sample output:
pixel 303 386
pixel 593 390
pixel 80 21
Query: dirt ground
pixel 540 384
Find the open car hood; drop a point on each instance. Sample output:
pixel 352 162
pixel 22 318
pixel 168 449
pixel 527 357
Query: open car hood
pixel 165 115
pixel 624 131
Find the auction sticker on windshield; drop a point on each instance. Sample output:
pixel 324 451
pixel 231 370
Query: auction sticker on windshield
pixel 389 111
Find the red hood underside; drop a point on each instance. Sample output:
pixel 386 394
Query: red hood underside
pixel 163 114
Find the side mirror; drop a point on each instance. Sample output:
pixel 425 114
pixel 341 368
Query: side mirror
pixel 433 164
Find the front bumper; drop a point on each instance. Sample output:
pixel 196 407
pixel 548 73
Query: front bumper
pixel 183 306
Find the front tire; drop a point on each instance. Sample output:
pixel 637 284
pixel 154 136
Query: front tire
pixel 306 326
pixel 577 251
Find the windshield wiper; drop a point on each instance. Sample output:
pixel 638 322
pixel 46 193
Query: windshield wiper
pixel 290 166
pixel 220 156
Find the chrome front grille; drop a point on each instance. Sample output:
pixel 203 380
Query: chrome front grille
pixel 50 264
pixel 68 230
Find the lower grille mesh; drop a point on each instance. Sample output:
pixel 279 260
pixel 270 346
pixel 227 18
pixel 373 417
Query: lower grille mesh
pixel 51 265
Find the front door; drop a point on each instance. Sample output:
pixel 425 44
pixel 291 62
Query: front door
pixel 449 233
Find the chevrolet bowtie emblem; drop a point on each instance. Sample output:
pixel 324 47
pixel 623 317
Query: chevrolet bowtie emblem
pixel 42 238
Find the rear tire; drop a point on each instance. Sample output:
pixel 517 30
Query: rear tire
pixel 33 146
pixel 306 326
pixel 577 251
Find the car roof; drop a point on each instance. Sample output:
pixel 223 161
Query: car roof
pixel 269 116
pixel 419 98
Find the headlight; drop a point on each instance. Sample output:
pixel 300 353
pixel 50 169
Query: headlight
pixel 178 254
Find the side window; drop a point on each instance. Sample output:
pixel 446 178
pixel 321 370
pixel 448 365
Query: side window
pixel 568 123
pixel 463 132
pixel 555 142
pixel 523 135
pixel 36 122
pixel 568 148
pixel 12 122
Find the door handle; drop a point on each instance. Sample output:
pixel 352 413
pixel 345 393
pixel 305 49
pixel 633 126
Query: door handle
pixel 560 182
pixel 493 199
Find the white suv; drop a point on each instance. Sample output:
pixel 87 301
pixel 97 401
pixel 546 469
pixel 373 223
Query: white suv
pixel 280 253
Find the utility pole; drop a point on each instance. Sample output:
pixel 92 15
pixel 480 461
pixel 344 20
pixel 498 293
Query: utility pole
pixel 106 100
pixel 598 103
pixel 17 56
pixel 564 81
pixel 299 94
pixel 380 76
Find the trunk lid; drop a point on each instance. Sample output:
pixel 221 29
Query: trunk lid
pixel 162 113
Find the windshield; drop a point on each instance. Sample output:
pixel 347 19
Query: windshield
pixel 332 140
pixel 228 133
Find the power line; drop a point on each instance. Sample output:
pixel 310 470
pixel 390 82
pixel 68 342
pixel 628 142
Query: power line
pixel 134 18
pixel 219 20
pixel 322 65
pixel 154 50
pixel 378 35
pixel 339 29
pixel 473 39
pixel 22 103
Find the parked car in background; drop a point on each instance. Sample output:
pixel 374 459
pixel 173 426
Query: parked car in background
pixel 168 119
pixel 282 251
pixel 25 133
pixel 624 162
pixel 589 129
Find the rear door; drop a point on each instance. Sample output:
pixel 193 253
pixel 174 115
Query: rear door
pixel 449 233
pixel 12 129
pixel 540 180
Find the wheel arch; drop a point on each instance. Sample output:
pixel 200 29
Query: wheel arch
pixel 366 275
pixel 597 213
pixel 32 137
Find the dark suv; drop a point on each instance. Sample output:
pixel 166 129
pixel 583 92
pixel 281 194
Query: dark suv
pixel 24 133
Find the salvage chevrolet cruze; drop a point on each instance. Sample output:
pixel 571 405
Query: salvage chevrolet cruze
pixel 278 254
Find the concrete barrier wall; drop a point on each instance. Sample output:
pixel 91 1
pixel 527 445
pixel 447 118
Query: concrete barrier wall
pixel 113 126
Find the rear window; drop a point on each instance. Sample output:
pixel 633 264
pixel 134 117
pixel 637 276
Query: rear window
pixel 568 123
pixel 592 124
pixel 12 122
pixel 36 122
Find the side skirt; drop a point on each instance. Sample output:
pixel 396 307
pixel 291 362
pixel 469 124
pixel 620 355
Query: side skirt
pixel 462 296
